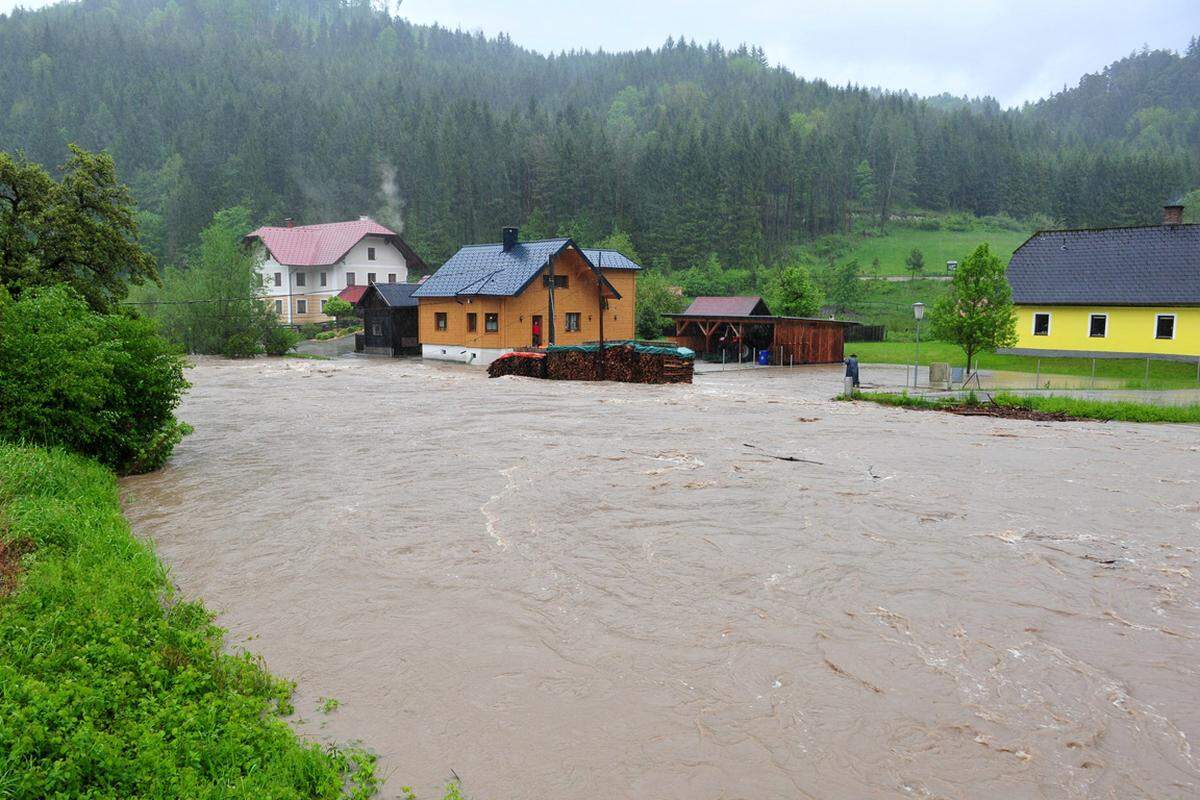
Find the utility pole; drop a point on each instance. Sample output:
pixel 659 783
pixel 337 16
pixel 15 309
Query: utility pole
pixel 550 325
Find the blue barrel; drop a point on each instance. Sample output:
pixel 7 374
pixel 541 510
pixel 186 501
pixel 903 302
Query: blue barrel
pixel 764 357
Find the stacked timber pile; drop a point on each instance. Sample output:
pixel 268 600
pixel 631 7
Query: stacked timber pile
pixel 627 362
pixel 526 365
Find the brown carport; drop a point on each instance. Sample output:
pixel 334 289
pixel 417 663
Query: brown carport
pixel 708 328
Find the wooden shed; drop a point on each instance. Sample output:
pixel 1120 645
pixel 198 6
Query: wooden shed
pixel 389 314
pixel 740 327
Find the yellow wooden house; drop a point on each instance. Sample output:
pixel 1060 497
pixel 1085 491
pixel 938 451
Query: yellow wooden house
pixel 490 299
pixel 1110 292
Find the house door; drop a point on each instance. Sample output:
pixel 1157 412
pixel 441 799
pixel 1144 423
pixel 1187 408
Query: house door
pixel 537 330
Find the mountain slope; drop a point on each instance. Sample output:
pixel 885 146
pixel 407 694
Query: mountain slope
pixel 319 109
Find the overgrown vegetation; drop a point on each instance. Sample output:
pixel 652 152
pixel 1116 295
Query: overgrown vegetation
pixel 214 301
pixel 1075 408
pixel 111 686
pixel 104 385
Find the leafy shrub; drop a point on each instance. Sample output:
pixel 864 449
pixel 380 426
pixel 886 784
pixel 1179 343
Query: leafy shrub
pixel 105 385
pixel 337 307
pixel 325 336
pixel 309 330
pixel 111 686
pixel 958 222
pixel 279 339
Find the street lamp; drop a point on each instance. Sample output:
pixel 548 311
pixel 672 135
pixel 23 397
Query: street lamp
pixel 919 313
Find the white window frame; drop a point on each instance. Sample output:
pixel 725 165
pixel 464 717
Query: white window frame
pixel 1174 327
pixel 301 278
pixel 1049 323
pixel 1089 331
pixel 370 254
pixel 322 305
pixel 578 326
pixel 301 306
pixel 279 279
pixel 349 279
pixel 491 318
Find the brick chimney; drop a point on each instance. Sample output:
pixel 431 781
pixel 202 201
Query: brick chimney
pixel 1173 214
pixel 510 238
pixel 289 223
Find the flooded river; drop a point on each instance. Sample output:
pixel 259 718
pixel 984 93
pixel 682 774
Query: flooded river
pixel 580 591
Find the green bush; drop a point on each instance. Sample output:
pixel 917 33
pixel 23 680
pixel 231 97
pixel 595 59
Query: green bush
pixel 105 385
pixel 279 339
pixel 325 336
pixel 309 330
pixel 113 687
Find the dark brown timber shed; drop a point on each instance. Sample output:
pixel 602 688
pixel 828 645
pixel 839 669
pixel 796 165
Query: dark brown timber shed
pixel 390 319
pixel 740 327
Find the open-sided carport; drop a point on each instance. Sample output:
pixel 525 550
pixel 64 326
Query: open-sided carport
pixel 742 326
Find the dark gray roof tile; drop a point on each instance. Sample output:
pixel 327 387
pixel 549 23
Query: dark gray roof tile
pixel 1157 265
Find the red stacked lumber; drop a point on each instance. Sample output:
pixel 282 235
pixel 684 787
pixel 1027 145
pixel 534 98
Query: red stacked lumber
pixel 526 365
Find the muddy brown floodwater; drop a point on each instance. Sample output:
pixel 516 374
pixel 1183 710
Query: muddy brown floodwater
pixel 571 590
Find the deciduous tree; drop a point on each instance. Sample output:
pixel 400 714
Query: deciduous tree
pixel 977 313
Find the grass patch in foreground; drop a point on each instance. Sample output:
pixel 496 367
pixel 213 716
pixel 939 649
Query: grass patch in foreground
pixel 1130 371
pixel 112 687
pixel 1103 410
pixel 308 356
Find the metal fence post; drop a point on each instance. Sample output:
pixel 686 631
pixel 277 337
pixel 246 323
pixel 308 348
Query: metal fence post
pixel 1146 382
pixel 1093 373
pixel 1037 378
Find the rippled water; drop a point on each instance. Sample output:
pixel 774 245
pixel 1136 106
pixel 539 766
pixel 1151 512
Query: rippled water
pixel 579 591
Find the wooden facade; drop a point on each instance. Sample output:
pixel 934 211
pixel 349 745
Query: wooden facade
pixel 390 320
pixel 790 340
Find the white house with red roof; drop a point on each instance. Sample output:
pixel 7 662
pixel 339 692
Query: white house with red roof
pixel 303 266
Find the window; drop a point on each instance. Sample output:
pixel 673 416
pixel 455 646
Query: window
pixel 322 306
pixel 439 320
pixel 560 281
pixel 1164 326
pixel 391 277
pixel 376 329
pixel 370 254
pixel 1098 326
pixel 349 278
pixel 279 279
pixel 472 322
pixel 301 306
pixel 572 320
pixel 1041 324
pixel 324 278
pixel 279 307
pixel 491 323
pixel 301 278
pixel 370 278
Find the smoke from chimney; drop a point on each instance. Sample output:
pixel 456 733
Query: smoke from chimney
pixel 393 205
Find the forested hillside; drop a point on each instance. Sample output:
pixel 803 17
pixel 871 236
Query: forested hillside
pixel 320 109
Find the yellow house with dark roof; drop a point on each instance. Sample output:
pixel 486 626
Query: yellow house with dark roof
pixel 1110 292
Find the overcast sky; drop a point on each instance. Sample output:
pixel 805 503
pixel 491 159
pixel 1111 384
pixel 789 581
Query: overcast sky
pixel 1013 50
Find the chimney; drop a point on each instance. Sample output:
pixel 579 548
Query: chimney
pixel 510 238
pixel 1173 213
pixel 364 217
pixel 289 223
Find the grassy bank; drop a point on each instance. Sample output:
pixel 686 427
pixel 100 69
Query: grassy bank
pixel 1107 411
pixel 1130 371
pixel 113 687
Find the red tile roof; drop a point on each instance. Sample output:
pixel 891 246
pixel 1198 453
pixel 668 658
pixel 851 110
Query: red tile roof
pixel 726 307
pixel 316 245
pixel 352 294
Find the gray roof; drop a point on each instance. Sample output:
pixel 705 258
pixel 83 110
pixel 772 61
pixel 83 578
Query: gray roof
pixel 1149 266
pixel 486 269
pixel 610 259
pixel 397 295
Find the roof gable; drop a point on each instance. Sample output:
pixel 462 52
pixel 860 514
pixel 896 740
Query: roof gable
pixel 489 269
pixel 325 244
pixel 1153 265
pixel 610 259
pixel 740 306
pixel 396 295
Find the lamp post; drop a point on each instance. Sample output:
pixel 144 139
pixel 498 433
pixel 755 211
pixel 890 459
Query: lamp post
pixel 919 313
